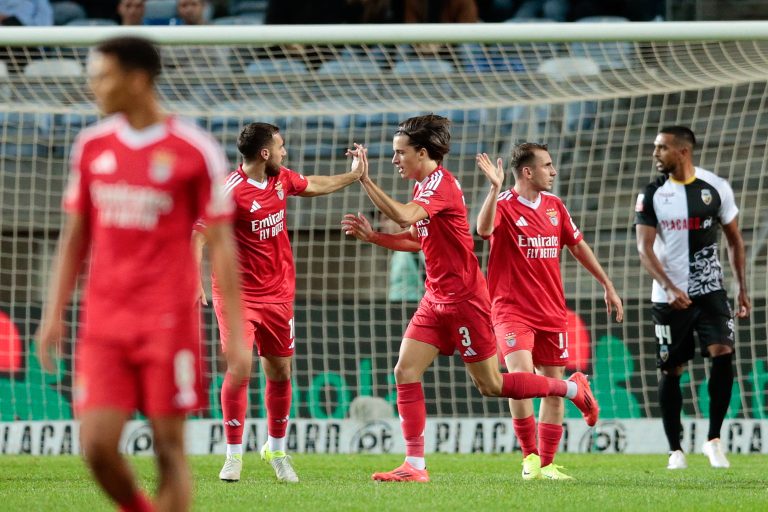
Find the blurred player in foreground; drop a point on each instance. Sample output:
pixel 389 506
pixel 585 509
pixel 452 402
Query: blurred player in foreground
pixel 455 312
pixel 528 227
pixel 139 180
pixel 260 188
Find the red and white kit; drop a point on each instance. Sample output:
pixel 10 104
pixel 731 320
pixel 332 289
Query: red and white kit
pixel 526 243
pixel 454 313
pixel 140 193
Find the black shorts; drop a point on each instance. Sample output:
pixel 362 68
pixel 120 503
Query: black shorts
pixel 709 316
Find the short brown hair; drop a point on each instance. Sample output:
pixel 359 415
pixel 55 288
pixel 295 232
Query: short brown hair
pixel 523 154
pixel 429 132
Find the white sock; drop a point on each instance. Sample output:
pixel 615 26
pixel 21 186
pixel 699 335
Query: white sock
pixel 572 389
pixel 417 462
pixel 234 449
pixel 276 444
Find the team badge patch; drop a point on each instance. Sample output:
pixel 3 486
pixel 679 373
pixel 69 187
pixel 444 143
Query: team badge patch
pixel 510 339
pixel 706 196
pixel 552 214
pixel 279 190
pixel 664 353
pixel 161 166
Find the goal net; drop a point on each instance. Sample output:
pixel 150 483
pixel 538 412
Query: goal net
pixel 596 93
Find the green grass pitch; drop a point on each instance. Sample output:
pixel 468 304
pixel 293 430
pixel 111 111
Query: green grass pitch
pixel 477 483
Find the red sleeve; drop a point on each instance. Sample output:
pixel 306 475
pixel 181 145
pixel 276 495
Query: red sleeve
pixel 570 234
pixel 294 182
pixel 76 197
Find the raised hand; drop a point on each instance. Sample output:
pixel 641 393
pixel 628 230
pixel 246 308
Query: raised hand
pixel 359 160
pixel 495 173
pixel 358 227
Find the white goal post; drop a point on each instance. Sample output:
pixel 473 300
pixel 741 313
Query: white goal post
pixel 595 92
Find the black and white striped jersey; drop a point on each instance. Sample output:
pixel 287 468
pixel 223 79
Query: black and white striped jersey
pixel 687 218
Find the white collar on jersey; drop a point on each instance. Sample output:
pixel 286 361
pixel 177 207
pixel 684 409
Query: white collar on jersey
pixel 261 185
pixel 135 139
pixel 530 204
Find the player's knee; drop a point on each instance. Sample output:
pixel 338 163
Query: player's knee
pixel 404 374
pixel 170 455
pixel 488 387
pixel 719 350
pixel 99 452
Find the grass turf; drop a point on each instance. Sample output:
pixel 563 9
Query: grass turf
pixel 478 483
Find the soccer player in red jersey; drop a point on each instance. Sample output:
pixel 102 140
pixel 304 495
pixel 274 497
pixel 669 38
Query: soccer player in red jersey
pixel 528 227
pixel 139 180
pixel 260 188
pixel 455 312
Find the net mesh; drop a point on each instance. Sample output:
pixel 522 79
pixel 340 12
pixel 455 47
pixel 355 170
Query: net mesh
pixel 597 104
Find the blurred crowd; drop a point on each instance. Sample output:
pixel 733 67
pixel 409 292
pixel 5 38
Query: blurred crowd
pixel 198 12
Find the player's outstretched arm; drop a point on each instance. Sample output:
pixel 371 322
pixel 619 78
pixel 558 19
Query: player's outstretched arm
pixel 583 253
pixel 322 185
pixel 198 243
pixel 495 174
pixel 646 236
pixel 221 243
pixel 71 253
pixel 359 227
pixel 737 257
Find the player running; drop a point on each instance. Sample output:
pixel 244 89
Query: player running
pixel 455 310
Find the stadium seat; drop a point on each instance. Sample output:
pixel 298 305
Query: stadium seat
pixel 91 22
pixel 53 68
pixel 64 12
pixel 244 19
pixel 608 55
pixel 24 134
pixel 270 67
pixel 159 12
pixel 248 7
pixel 418 66
pixel 5 87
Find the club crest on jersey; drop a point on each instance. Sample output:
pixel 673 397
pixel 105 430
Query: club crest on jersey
pixel 105 163
pixel 552 213
pixel 510 339
pixel 161 166
pixel 706 196
pixel 279 190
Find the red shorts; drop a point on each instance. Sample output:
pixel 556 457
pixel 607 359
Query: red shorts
pixel 549 348
pixel 463 326
pixel 157 372
pixel 270 326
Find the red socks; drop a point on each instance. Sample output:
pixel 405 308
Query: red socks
pixel 413 417
pixel 234 401
pixel 525 430
pixel 277 396
pixel 139 503
pixel 549 441
pixel 520 385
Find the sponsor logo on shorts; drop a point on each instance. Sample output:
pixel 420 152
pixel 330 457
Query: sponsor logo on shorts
pixel 664 353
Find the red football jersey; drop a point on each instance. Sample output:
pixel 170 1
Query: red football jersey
pixel 140 192
pixel 524 263
pixel 266 260
pixel 453 273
